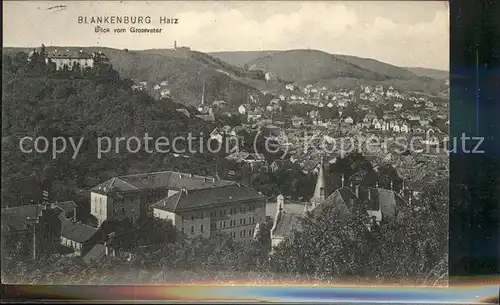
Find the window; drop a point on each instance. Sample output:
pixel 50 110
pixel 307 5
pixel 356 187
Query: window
pixel 201 215
pixel 192 229
pixel 192 217
pixel 241 221
pixel 250 219
pixel 182 230
pixel 224 224
pixel 221 213
pixel 250 232
pixel 243 232
pixel 213 226
pixel 244 220
pixel 220 224
pixel 123 210
pixel 201 228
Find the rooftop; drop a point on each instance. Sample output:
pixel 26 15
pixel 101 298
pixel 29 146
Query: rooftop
pixel 199 198
pixel 76 231
pixel 150 181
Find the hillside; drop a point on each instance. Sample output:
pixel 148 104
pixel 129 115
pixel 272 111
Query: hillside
pixel 332 71
pixel 227 78
pixel 86 108
pixel 184 70
pixel 240 58
pixel 432 73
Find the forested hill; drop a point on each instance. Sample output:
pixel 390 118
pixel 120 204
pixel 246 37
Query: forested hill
pixel 184 70
pixel 37 102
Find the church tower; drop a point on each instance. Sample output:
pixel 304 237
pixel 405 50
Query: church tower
pixel 319 191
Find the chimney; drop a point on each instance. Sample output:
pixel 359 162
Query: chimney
pixel 342 180
pixel 376 184
pixel 392 185
pixel 357 191
pixel 106 248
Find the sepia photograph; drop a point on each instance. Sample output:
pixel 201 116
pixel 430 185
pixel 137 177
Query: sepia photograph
pixel 255 142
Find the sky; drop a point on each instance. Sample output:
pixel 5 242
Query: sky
pixel 402 33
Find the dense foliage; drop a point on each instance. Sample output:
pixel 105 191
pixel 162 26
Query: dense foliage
pixel 330 246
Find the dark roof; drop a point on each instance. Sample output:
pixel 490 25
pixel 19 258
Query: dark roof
pixel 167 179
pixel 286 224
pixel 94 254
pixel 66 206
pixel 193 199
pixel 345 201
pixel 73 54
pixel 76 231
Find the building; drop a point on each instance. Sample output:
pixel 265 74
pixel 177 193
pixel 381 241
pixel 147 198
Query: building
pixel 195 204
pixel 77 236
pixel 129 196
pixel 233 209
pixel 71 58
pixel 286 220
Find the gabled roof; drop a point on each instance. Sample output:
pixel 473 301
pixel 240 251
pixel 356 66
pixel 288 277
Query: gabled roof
pixel 206 117
pixel 215 196
pixel 16 218
pixel 286 224
pixel 149 181
pixel 76 231
pixel 94 254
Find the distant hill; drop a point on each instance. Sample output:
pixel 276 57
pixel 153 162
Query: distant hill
pixel 432 73
pixel 233 76
pixel 334 71
pixel 240 58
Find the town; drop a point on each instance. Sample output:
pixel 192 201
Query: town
pixel 257 198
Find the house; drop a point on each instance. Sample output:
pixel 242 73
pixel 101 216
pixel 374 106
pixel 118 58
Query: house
pixel 286 220
pixel 297 121
pixel 374 207
pixel 206 117
pixel 398 105
pixel 253 116
pixel 270 76
pixel 157 87
pixel 232 208
pixel 404 128
pixel 290 87
pixel 77 236
pixel 217 135
pixel 349 120
pixel 396 127
pixel 165 93
pixel 71 58
pixel 242 110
